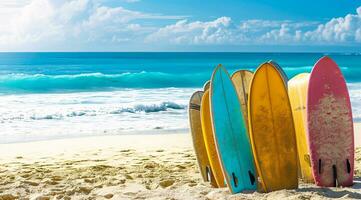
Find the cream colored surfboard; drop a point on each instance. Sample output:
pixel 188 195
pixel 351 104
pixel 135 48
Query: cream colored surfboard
pixel 242 80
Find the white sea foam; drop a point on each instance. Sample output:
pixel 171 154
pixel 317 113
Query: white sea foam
pixel 355 96
pixel 26 117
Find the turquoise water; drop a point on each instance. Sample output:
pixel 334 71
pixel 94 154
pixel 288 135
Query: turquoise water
pixel 59 95
pixel 57 72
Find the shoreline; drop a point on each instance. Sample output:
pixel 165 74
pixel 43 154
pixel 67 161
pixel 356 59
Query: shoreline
pixel 36 149
pixel 109 134
pixel 154 132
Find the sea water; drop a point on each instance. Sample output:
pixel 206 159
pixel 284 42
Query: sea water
pixel 59 95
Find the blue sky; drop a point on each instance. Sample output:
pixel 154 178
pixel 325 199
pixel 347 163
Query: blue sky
pixel 180 25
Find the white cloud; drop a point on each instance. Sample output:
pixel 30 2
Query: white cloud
pixel 72 9
pixel 13 3
pixel 32 23
pixel 281 35
pixel 27 24
pixel 50 22
pixel 115 15
pixel 338 30
pixel 224 31
pixel 213 32
pixel 342 30
pixel 106 22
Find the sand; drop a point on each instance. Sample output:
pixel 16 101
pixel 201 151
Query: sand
pixel 127 167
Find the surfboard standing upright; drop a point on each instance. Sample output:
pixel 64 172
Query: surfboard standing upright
pixel 297 90
pixel 330 126
pixel 272 131
pixel 230 133
pixel 208 136
pixel 197 136
pixel 242 80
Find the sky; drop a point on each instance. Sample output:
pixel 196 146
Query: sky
pixel 180 25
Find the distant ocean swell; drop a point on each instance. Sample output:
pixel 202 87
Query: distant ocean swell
pixel 47 83
pixel 42 83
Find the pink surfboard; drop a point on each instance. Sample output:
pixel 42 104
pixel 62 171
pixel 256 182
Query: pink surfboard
pixel 330 126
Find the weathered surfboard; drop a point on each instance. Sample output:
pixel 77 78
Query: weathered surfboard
pixel 242 80
pixel 197 136
pixel 330 125
pixel 272 131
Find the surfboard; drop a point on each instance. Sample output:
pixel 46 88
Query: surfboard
pixel 206 85
pixel 272 131
pixel 230 133
pixel 279 68
pixel 241 80
pixel 197 136
pixel 208 136
pixel 297 91
pixel 330 126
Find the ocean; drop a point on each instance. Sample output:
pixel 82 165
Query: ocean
pixel 59 95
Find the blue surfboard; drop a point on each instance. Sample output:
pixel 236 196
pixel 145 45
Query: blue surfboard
pixel 230 133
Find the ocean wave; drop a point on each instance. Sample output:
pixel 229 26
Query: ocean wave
pixel 59 116
pixel 43 83
pixel 357 119
pixel 139 108
pixel 164 106
pixel 47 117
pixel 89 81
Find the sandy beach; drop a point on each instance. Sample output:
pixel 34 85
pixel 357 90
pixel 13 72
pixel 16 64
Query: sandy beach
pixel 159 166
pixel 99 99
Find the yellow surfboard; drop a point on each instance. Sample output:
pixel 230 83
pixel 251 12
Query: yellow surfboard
pixel 209 141
pixel 272 131
pixel 242 80
pixel 197 136
pixel 297 91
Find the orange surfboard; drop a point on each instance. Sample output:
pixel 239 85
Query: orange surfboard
pixel 208 136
